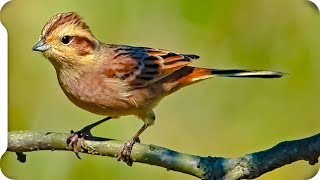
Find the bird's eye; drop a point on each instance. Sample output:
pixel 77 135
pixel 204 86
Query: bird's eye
pixel 66 39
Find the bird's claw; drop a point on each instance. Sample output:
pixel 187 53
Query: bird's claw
pixel 126 152
pixel 74 141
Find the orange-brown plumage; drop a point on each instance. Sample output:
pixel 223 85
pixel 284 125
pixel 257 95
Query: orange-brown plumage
pixel 119 80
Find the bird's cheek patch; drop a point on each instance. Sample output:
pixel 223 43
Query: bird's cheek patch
pixel 82 45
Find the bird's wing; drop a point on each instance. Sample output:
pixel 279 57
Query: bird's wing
pixel 141 66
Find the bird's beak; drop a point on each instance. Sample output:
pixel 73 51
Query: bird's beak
pixel 41 46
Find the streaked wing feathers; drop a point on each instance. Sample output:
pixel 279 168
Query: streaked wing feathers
pixel 140 65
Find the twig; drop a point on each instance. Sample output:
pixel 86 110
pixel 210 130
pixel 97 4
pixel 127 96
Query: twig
pixel 248 166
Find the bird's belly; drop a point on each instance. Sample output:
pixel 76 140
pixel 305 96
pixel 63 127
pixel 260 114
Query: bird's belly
pixel 103 98
pixel 102 104
pixel 109 97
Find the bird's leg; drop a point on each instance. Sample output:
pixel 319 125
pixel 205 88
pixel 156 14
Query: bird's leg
pixel 74 139
pixel 127 147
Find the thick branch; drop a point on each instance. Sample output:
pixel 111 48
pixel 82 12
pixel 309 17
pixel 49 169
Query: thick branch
pixel 249 166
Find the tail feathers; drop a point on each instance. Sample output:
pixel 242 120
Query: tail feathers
pixel 188 75
pixel 246 73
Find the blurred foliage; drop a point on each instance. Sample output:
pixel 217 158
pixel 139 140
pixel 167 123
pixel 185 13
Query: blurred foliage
pixel 217 117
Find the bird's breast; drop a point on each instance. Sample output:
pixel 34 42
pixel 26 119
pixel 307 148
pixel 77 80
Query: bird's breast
pixel 96 93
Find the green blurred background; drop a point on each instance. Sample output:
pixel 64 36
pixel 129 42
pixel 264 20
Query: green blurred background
pixel 217 117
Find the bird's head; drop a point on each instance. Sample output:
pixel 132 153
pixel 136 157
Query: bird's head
pixel 67 40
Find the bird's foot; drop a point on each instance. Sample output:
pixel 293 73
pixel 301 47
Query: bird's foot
pixel 75 139
pixel 126 152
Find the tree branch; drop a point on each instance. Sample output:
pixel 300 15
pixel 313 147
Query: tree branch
pixel 248 166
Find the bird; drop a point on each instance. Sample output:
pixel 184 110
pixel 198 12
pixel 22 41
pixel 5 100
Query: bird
pixel 119 80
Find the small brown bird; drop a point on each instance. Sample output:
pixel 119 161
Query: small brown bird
pixel 118 80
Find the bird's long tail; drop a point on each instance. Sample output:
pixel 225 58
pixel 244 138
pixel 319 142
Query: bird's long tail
pixel 245 73
pixel 189 75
